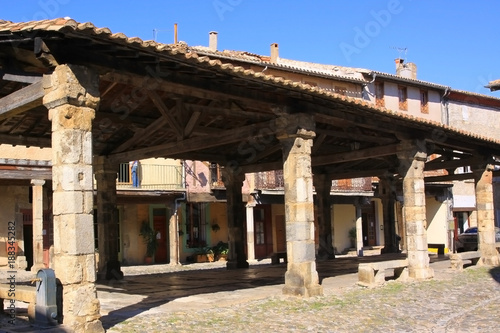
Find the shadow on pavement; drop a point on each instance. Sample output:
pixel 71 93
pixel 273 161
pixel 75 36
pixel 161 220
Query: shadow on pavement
pixel 159 289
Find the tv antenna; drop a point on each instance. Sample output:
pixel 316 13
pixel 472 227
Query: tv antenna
pixel 401 50
pixel 155 33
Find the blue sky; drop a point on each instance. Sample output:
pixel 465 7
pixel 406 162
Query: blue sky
pixel 453 43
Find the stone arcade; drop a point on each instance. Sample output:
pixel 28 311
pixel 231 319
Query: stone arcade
pixel 99 99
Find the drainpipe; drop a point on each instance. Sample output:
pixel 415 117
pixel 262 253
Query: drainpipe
pixel 445 116
pixel 365 85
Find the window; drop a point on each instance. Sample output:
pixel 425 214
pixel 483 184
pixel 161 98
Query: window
pixel 341 90
pixel 196 225
pixel 403 98
pixel 424 101
pixel 260 235
pixel 379 94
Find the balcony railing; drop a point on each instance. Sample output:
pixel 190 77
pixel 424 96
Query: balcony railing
pixel 273 180
pixel 151 177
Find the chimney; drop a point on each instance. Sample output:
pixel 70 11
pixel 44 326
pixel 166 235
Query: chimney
pixel 212 41
pixel 408 70
pixel 274 53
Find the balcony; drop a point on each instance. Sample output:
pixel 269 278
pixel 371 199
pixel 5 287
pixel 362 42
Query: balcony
pixel 151 177
pixel 273 180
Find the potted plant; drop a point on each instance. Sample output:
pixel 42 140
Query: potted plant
pixel 221 250
pixel 204 254
pixel 353 236
pixel 149 236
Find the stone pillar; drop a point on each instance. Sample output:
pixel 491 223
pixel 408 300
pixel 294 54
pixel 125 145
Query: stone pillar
pixel 109 267
pixel 233 181
pixel 72 95
pixel 250 231
pixel 411 168
pixel 483 178
pixel 323 186
pixel 359 229
pixel 37 225
pixel 173 239
pixel 387 192
pixel 296 136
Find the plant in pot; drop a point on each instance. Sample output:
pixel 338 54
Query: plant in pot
pixel 221 250
pixel 204 254
pixel 353 236
pixel 149 236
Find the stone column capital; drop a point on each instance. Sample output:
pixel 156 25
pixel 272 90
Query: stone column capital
pixel 37 182
pixel 295 125
pixel 71 84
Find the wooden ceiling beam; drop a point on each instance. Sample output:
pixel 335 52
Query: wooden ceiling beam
pixel 21 100
pixel 354 155
pixel 166 112
pixel 224 137
pixel 20 140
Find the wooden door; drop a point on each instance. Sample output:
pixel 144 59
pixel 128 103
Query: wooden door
pixel 160 225
pixel 262 231
pixel 280 233
pixel 369 225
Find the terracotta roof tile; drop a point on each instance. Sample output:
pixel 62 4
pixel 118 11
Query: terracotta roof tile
pixel 181 50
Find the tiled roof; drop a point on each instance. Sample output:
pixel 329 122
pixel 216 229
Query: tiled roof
pixel 71 27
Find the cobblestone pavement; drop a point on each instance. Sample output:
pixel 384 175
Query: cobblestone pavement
pixel 202 300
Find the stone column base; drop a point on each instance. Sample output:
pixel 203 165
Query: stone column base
pixel 424 273
pixel 302 280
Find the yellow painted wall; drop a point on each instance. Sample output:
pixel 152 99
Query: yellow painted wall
pixel 344 218
pixel 436 215
pixel 133 247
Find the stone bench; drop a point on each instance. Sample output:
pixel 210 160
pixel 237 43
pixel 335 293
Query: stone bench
pixel 276 256
pixel 457 260
pixel 373 274
pixel 21 293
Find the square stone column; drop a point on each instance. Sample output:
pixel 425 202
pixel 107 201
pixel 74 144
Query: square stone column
pixel 72 95
pixel 250 231
pixel 37 185
pixel 109 267
pixel 412 162
pixel 173 235
pixel 483 178
pixel 323 186
pixel 387 192
pixel 233 181
pixel 301 277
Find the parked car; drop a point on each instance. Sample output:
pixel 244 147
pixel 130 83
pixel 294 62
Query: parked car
pixel 467 241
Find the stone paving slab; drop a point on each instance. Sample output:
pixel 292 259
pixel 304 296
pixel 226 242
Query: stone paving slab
pixel 185 298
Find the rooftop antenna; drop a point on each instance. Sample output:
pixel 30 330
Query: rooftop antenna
pixel 401 50
pixel 155 33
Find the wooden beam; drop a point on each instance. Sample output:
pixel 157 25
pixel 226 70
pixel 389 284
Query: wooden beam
pixel 453 164
pixel 19 140
pixel 142 134
pixel 197 143
pixel 21 100
pixel 193 120
pixel 449 178
pixel 20 77
pixel 9 172
pixel 357 154
pixel 166 112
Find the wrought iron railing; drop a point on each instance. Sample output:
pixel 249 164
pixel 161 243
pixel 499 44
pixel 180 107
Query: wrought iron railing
pixel 151 177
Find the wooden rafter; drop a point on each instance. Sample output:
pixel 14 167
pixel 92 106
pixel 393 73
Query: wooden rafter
pixel 21 100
